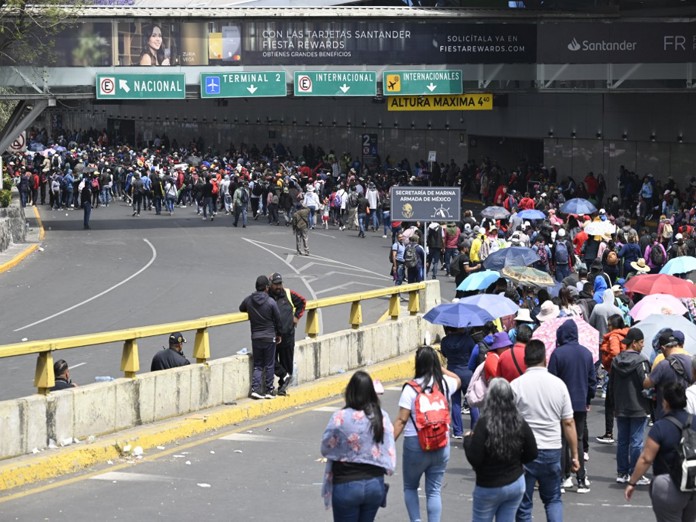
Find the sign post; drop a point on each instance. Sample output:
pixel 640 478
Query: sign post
pixel 163 86
pixel 243 84
pixel 426 203
pixel 335 83
pixel 424 82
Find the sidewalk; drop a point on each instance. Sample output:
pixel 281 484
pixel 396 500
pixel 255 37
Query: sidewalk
pixel 17 252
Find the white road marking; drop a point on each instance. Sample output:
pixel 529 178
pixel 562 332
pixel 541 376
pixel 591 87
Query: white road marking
pixel 325 235
pixel 250 437
pixel 347 285
pixel 76 365
pixel 131 477
pixel 100 294
pixel 327 409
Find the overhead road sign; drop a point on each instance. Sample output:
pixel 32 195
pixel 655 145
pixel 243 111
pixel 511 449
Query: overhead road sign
pixel 422 82
pixel 141 86
pixel 455 102
pixel 335 83
pixel 262 84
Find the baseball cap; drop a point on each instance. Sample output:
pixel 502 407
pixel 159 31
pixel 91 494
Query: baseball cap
pixel 176 338
pixel 276 278
pixel 668 339
pixel 679 336
pixel 634 334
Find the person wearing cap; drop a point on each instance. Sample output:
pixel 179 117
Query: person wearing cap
pixel 630 406
pixel 678 247
pixel 572 363
pixel 562 255
pixel 264 320
pixel 291 307
pixel 61 371
pixel 173 357
pixel 673 365
pixel 300 225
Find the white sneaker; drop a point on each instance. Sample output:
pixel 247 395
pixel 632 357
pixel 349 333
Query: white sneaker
pixel 256 395
pixel 567 483
pixel 586 456
pixel 643 481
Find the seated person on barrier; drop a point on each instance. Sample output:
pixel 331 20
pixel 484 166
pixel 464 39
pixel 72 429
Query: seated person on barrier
pixel 62 373
pixel 173 357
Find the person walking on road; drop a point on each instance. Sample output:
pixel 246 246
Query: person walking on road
pixel 300 224
pixel 173 357
pixel 291 306
pixel 358 444
pixel 544 402
pixel 86 203
pixel 416 460
pixel 264 319
pixel 240 202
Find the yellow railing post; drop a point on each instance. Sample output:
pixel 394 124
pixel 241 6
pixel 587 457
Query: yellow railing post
pixel 44 379
pixel 355 314
pixel 201 345
pixel 413 302
pixel 394 306
pixel 312 323
pixel 130 362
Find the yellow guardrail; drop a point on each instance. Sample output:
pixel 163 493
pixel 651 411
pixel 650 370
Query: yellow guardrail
pixel 44 379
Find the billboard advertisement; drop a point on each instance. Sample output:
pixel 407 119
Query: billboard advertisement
pixel 621 42
pixel 287 41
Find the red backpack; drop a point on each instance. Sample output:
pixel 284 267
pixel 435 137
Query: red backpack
pixel 431 416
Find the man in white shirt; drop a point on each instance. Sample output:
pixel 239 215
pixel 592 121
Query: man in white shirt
pixel 544 402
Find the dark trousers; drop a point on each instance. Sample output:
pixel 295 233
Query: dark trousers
pixel 87 208
pixel 285 355
pixel 579 417
pixel 263 352
pixel 137 202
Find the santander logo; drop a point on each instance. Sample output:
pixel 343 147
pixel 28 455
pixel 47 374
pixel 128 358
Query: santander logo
pixel 574 45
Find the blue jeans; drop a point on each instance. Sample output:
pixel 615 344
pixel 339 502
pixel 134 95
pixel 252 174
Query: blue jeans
pixel 362 223
pixel 434 260
pixel 562 271
pixel 386 221
pixel 87 208
pixel 312 212
pixel 546 470
pixel 240 210
pixel 170 203
pixel 629 442
pixel 105 195
pixel 500 503
pixel 357 500
pixel 263 353
pixel 417 462
pixel 374 216
pixel 465 375
pixel 449 254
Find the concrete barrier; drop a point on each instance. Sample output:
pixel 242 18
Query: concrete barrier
pixel 13 227
pixel 30 423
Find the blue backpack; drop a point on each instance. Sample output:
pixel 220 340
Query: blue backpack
pixel 561 256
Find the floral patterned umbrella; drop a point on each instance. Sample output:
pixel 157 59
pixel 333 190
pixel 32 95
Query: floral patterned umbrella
pixel 587 335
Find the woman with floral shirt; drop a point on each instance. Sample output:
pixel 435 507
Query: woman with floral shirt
pixel 359 446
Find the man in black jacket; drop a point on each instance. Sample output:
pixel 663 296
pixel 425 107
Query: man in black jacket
pixel 628 371
pixel 435 242
pixel 291 307
pixel 62 373
pixel 264 319
pixel 173 357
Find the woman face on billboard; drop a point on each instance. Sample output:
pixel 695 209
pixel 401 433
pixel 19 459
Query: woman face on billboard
pixel 153 52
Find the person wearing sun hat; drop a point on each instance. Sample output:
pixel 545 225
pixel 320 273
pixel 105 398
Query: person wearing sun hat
pixel 639 267
pixel 548 311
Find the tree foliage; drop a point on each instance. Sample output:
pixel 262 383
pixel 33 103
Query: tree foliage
pixel 27 28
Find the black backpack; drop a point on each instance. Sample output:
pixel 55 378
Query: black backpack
pixel 410 256
pixel 683 469
pixel 656 255
pixel 454 266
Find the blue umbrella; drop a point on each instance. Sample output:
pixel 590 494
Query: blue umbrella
pixel 478 280
pixel 531 214
pixel 496 304
pixel 578 206
pixel 511 256
pixel 495 213
pixel 458 315
pixel 679 265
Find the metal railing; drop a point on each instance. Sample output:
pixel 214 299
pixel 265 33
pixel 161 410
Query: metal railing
pixel 44 378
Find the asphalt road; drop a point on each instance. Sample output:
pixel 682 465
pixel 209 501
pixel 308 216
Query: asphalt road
pixel 136 271
pixel 270 470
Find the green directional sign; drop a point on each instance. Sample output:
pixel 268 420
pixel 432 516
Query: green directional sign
pixel 424 82
pixel 141 86
pixel 243 84
pixel 335 83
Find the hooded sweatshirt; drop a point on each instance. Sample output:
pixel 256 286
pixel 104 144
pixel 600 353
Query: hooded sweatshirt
pixel 264 316
pixel 628 370
pixel 572 363
pixel 601 313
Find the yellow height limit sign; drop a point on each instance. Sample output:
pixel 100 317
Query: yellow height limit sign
pixel 461 102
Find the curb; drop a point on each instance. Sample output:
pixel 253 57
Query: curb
pixel 30 469
pixel 29 250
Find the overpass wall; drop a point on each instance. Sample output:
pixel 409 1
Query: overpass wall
pixel 29 423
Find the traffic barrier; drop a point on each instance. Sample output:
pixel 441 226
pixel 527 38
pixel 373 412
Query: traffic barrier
pixel 29 423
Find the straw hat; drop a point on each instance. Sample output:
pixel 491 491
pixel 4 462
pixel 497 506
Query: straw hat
pixel 640 266
pixel 548 311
